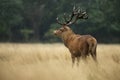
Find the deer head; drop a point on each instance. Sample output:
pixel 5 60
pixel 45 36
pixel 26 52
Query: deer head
pixel 75 15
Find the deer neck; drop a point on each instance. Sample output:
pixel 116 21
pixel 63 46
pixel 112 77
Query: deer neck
pixel 67 37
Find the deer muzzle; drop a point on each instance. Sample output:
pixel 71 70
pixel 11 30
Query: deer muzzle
pixel 55 32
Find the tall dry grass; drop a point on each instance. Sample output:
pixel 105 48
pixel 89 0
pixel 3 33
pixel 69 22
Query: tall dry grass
pixel 53 62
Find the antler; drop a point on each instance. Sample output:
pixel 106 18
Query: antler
pixel 77 13
pixel 65 18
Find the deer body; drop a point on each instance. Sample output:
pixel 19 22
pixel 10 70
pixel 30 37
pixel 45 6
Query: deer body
pixel 78 45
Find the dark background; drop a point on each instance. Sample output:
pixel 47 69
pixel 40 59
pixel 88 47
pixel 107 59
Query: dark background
pixel 35 20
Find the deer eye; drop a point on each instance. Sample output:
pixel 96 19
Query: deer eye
pixel 62 30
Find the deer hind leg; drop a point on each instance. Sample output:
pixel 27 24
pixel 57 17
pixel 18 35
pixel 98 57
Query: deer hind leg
pixel 92 50
pixel 84 54
pixel 78 60
pixel 93 53
pixel 73 60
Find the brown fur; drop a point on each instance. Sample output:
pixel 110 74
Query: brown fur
pixel 78 45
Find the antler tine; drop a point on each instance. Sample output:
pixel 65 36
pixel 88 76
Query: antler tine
pixel 65 18
pixel 74 12
pixel 59 22
pixel 71 17
pixel 83 15
pixel 79 11
pixel 74 8
pixel 71 22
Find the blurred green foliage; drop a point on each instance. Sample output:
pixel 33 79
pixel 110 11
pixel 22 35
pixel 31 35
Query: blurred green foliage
pixel 35 20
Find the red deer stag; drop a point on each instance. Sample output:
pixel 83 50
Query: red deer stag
pixel 78 45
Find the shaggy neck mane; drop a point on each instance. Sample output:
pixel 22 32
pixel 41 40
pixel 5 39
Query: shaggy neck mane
pixel 67 37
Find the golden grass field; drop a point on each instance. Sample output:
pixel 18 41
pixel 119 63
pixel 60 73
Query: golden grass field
pixel 53 62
